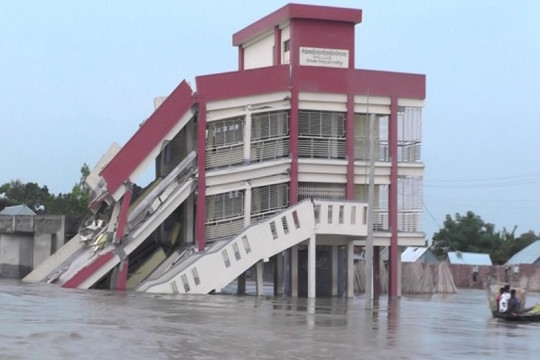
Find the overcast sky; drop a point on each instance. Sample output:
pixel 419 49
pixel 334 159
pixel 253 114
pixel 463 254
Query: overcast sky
pixel 77 75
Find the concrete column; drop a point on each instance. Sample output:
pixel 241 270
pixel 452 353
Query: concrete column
pixel 241 281
pixel 259 281
pixel 60 235
pixel 241 284
pixel 247 136
pixel 189 220
pixel 334 261
pixel 278 274
pixel 42 248
pixel 350 269
pixel 294 271
pixel 311 267
pixel 16 255
pixel 376 271
pixel 398 260
pixel 247 205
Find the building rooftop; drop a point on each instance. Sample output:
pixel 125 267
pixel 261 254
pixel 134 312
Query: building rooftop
pixel 528 255
pixel 413 253
pixel 466 258
pixel 17 210
pixel 296 11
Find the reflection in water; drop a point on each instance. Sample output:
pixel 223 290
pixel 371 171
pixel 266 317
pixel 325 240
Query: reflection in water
pixel 47 322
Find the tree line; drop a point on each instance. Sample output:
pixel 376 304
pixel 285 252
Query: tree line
pixel 469 233
pixel 31 194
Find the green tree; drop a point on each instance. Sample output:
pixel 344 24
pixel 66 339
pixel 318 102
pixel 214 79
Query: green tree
pixel 30 194
pixel 467 233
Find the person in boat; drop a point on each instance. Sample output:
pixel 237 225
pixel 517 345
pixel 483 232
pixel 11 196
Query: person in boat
pixel 505 297
pixel 513 303
pixel 498 298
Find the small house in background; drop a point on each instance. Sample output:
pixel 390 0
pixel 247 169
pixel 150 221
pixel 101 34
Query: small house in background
pixel 467 258
pixel 470 270
pixel 529 255
pixel 418 254
pixel 523 267
pixel 17 210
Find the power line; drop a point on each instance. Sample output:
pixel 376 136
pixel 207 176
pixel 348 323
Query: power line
pixel 485 182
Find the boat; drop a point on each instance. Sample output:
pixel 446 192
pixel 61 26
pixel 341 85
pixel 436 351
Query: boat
pixel 530 314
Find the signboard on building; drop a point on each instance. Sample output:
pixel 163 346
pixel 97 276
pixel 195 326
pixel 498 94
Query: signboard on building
pixel 336 58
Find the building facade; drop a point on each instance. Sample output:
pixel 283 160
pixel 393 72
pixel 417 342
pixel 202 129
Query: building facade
pixel 292 123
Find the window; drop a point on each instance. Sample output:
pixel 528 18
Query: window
pixel 286 45
pixel 321 135
pixel 330 213
pixel 246 244
pixel 284 224
pixel 273 230
pixel 195 274
pixel 295 219
pixel 226 260
pixel 236 250
pixel 185 282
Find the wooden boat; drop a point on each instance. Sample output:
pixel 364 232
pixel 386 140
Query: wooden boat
pixel 531 314
pixel 527 315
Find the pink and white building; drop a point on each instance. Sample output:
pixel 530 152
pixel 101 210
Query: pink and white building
pixel 269 162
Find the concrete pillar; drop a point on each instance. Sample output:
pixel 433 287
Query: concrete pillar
pixel 189 220
pixel 376 271
pixel 247 136
pixel 350 269
pixel 278 274
pixel 259 281
pixel 334 261
pixel 294 271
pixel 312 267
pixel 247 205
pixel 398 261
pixel 42 248
pixel 241 284
pixel 16 255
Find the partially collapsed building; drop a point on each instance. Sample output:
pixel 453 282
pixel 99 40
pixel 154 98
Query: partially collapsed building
pixel 269 162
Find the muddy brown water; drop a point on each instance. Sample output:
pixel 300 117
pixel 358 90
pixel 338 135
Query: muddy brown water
pixel 40 321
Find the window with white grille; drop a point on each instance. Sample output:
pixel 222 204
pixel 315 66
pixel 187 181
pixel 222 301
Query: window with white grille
pixel 321 135
pixel 268 200
pixel 321 191
pixel 410 203
pixel 224 142
pixel 380 137
pixel 224 214
pixel 269 136
pixel 380 203
pixel 409 134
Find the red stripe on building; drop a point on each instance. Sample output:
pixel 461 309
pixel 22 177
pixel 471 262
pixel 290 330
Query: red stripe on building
pixel 150 134
pixel 88 271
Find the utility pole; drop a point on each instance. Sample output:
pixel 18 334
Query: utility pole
pixel 371 195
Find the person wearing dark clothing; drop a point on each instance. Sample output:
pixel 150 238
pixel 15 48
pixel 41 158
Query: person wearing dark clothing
pixel 513 304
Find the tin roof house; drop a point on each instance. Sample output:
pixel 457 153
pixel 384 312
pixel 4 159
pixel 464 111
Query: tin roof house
pixel 528 255
pixel 467 258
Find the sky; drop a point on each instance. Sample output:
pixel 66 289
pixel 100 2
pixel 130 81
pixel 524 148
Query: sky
pixel 76 76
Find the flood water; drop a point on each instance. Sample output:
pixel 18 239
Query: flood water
pixel 40 321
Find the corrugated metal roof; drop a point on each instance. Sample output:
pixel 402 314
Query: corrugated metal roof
pixel 528 255
pixel 466 258
pixel 17 210
pixel 412 253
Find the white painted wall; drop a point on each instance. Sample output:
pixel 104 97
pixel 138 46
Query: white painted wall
pixel 259 53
